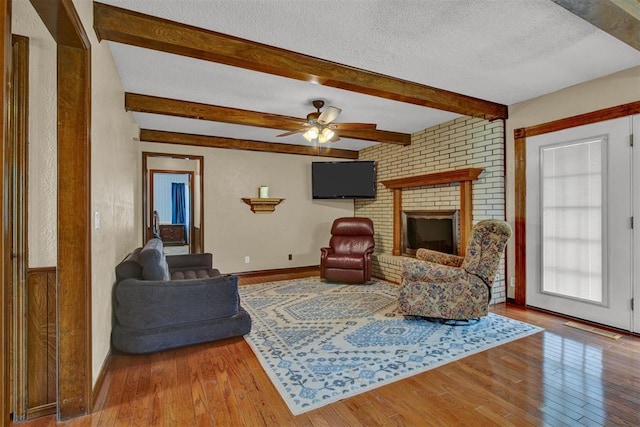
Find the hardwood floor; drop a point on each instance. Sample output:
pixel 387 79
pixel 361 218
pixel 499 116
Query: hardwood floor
pixel 562 376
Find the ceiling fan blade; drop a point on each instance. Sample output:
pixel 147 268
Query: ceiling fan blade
pixel 353 126
pixel 329 115
pixel 292 132
pixel 277 118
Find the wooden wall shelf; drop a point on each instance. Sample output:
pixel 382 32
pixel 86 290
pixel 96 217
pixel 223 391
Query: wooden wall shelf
pixel 464 176
pixel 262 205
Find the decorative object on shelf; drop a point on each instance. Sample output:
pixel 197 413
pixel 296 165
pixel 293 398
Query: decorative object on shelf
pixel 262 205
pixel 263 192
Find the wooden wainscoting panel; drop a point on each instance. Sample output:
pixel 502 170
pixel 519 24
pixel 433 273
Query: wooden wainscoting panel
pixel 41 337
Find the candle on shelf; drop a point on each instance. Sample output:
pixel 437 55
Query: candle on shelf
pixel 263 192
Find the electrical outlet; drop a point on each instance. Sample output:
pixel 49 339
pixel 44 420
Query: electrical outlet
pixel 512 282
pixel 247 260
pixel 290 257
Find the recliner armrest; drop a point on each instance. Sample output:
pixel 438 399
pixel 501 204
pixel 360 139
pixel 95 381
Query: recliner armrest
pixel 439 257
pixel 425 271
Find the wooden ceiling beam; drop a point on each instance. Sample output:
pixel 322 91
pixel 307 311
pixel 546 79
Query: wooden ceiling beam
pixel 619 18
pixel 137 29
pixel 243 144
pixel 193 110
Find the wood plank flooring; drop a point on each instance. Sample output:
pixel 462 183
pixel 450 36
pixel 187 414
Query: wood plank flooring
pixel 562 376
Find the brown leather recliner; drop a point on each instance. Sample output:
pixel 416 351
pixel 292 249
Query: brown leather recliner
pixel 348 257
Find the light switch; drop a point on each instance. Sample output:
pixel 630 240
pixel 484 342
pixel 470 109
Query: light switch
pixel 96 220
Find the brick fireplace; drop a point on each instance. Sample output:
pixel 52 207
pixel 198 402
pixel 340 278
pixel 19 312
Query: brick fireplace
pixel 461 143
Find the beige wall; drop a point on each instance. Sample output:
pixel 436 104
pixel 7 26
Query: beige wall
pixel 114 164
pixel 299 226
pixel 42 180
pixel 114 184
pixel 615 89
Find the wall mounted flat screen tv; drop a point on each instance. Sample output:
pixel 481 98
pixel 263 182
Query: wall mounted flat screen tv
pixel 343 180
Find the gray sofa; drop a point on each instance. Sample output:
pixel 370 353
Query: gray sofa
pixel 162 302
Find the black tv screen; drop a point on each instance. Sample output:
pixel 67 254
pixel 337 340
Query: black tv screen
pixel 343 180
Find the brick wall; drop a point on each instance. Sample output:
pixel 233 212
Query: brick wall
pixel 463 142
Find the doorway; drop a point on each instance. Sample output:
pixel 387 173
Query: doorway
pixel 579 222
pixel 182 234
pixel 171 195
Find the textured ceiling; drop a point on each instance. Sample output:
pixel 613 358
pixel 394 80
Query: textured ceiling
pixel 504 51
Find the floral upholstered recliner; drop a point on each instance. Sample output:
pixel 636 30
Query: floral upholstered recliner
pixel 444 286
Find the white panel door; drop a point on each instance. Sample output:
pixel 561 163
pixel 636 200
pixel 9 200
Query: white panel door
pixel 579 232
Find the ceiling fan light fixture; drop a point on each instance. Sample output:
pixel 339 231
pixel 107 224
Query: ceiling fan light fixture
pixel 328 134
pixel 307 137
pixel 311 134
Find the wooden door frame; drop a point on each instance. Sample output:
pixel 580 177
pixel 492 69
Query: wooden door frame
pixel 520 138
pixel 147 212
pixel 5 242
pixel 191 174
pixel 74 206
pixel 17 187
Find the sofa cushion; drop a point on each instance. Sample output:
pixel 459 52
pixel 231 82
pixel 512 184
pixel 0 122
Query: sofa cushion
pixel 130 268
pixel 153 261
pixel 139 341
pixel 194 274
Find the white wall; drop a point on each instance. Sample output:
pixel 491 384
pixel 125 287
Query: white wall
pixel 616 89
pixel 299 226
pixel 42 179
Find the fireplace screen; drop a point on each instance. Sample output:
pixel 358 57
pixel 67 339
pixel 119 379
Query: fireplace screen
pixel 437 230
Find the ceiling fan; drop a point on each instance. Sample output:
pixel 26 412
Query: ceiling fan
pixel 319 125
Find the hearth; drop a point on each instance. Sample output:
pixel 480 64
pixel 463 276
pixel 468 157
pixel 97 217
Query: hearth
pixel 437 230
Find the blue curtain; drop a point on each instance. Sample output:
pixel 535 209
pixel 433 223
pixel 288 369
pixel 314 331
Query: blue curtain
pixel 178 211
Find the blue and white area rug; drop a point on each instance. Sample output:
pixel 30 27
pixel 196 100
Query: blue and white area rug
pixel 321 342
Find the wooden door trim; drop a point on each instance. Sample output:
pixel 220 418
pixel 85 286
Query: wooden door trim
pixel 5 66
pixel 520 137
pixel 192 190
pixel 147 212
pixel 17 223
pixel 74 205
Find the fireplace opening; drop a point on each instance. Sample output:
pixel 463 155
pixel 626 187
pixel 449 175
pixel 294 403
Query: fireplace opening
pixel 436 230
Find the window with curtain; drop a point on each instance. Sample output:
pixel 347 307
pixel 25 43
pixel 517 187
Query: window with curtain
pixel 573 182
